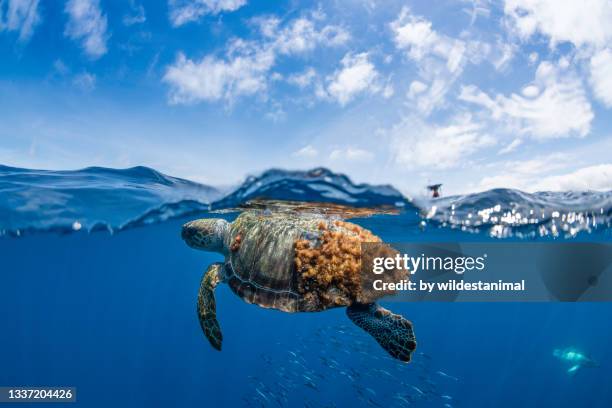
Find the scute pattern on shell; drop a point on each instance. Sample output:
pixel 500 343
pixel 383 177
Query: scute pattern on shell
pixel 295 262
pixel 261 264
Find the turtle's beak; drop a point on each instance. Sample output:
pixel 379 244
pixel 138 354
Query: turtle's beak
pixel 188 231
pixel 191 234
pixel 205 234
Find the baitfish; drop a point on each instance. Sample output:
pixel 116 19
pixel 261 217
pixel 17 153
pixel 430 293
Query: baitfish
pixel 417 389
pixel 443 374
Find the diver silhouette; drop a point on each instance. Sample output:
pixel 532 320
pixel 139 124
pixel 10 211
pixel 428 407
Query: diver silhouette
pixel 576 358
pixel 435 190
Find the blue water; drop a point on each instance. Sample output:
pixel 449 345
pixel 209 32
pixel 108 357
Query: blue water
pixel 108 304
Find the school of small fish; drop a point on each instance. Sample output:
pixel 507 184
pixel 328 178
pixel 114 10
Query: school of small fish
pixel 339 366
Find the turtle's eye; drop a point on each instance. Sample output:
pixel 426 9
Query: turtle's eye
pixel 196 234
pixel 189 232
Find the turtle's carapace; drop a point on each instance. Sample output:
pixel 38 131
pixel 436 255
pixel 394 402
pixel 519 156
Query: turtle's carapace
pixel 293 263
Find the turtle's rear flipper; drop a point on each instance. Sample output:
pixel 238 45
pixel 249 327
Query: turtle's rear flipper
pixel 391 331
pixel 207 309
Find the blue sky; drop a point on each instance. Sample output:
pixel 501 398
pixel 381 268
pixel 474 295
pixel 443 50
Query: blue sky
pixel 474 94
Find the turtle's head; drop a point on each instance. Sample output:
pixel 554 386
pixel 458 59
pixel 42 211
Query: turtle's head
pixel 206 234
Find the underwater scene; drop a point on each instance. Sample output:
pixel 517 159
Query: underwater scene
pixel 99 291
pixel 311 204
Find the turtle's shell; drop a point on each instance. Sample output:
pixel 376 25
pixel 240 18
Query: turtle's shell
pixel 295 262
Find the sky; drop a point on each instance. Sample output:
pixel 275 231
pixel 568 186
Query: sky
pixel 474 94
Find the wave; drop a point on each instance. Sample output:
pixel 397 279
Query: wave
pixel 506 212
pixel 98 198
pixel 319 184
pixel 93 198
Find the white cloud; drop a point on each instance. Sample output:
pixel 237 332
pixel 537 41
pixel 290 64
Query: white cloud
pixel 357 75
pixel 276 113
pixel 60 67
pixel 480 8
pixel 351 154
pixel 185 11
pixel 306 152
pixel 583 23
pixel 245 69
pixel 303 79
pixel 414 35
pixel 435 95
pixel 85 81
pixel 523 174
pixel 530 91
pixel 538 174
pixel 440 58
pixel 539 165
pixel 505 53
pixel 87 24
pixel 555 105
pixel 19 15
pixel 213 79
pixel 388 90
pixel 416 88
pixel 598 177
pixel 301 35
pixel 512 146
pixel 415 143
pixel 601 76
pixel 136 16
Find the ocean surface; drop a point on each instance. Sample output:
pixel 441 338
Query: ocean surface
pixel 98 291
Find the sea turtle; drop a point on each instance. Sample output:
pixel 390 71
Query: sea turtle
pixel 293 262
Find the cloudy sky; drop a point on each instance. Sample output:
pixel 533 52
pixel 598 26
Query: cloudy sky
pixel 474 94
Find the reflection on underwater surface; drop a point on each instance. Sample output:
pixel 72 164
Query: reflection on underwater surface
pixel 114 315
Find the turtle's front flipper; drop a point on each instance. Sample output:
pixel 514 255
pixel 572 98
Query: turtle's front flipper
pixel 207 309
pixel 391 331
